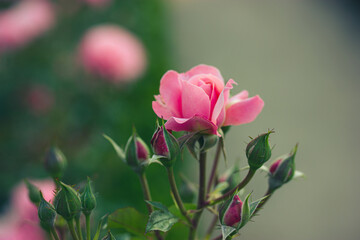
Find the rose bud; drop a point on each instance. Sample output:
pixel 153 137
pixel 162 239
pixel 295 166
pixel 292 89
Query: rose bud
pixel 33 193
pixel 282 170
pixel 136 153
pixel 207 141
pixel 231 214
pixel 55 162
pixel 165 146
pixel 109 236
pixel 88 200
pixel 258 151
pixel 67 202
pixel 46 213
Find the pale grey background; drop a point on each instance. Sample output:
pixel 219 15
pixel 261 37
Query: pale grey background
pixel 303 60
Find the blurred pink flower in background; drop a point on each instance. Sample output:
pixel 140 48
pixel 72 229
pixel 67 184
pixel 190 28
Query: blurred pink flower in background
pixel 199 100
pixel 24 22
pixel 97 3
pixel 39 99
pixel 21 221
pixel 112 53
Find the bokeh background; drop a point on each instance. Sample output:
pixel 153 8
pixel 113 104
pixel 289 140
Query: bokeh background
pixel 301 57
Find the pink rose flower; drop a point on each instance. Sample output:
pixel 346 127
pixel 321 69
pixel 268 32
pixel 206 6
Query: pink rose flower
pixel 113 53
pixel 199 100
pixel 24 22
pixel 21 221
pixel 233 214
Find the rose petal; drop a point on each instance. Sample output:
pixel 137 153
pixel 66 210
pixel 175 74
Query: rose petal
pixel 219 111
pixel 161 110
pixel 240 96
pixel 194 101
pixel 170 91
pixel 196 123
pixel 202 69
pixel 244 111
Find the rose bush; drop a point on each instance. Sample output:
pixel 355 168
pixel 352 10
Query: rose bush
pixel 199 100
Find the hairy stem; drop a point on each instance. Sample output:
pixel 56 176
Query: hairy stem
pixel 78 228
pixel 240 186
pixel 87 222
pixel 72 229
pixel 54 233
pixel 201 195
pixel 176 194
pixel 147 197
pixel 214 167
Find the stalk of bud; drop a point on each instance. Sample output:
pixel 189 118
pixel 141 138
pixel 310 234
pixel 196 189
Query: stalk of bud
pixel 33 193
pixel 55 162
pixel 165 146
pixel 258 151
pixel 88 200
pixel 67 202
pixel 46 213
pixel 136 153
pixel 282 170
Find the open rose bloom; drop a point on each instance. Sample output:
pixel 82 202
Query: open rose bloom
pixel 199 100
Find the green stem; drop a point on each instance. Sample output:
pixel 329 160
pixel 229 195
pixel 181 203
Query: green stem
pixel 240 186
pixel 87 223
pixel 72 229
pixel 147 197
pixel 201 196
pixel 176 194
pixel 146 191
pixel 214 168
pixel 78 228
pixel 54 233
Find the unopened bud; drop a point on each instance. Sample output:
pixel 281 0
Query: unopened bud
pixel 165 146
pixel 88 200
pixel 55 162
pixel 33 193
pixel 207 141
pixel 136 153
pixel 230 212
pixel 258 151
pixel 46 213
pixel 282 170
pixel 67 202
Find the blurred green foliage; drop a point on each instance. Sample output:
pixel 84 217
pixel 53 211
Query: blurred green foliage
pixel 85 106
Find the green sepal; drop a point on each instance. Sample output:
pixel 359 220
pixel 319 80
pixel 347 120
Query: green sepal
pixel 173 147
pixel 227 232
pixel 46 213
pixel 161 219
pixel 258 151
pixel 207 141
pixel 284 172
pixel 33 192
pixel 119 151
pixel 67 202
pixel 88 200
pixel 245 212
